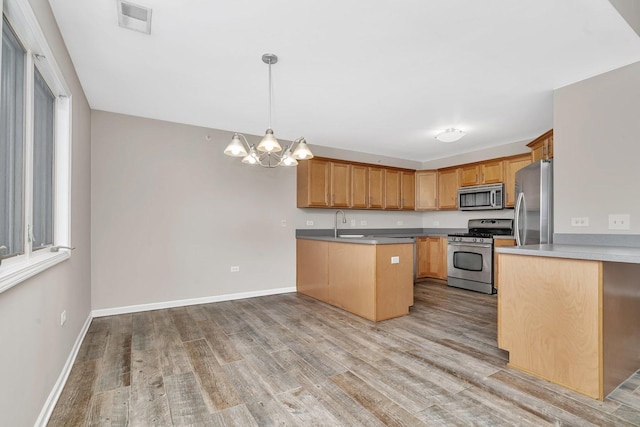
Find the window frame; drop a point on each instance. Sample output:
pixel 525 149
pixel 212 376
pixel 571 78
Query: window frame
pixel 38 55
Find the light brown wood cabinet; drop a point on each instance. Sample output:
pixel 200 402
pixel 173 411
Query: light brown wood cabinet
pixel 427 190
pixel 489 172
pixel 511 166
pixel 496 269
pixel 431 257
pixel 542 147
pixel 408 199
pixel 340 184
pixel 313 183
pixel 573 322
pixel 359 186
pixel 358 278
pixel 392 188
pixel 376 188
pixel 448 188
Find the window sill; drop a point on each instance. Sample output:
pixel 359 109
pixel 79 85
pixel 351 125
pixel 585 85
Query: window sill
pixel 14 273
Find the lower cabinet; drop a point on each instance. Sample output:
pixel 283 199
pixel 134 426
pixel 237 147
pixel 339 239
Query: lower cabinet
pixel 496 267
pixel 371 281
pixel 432 257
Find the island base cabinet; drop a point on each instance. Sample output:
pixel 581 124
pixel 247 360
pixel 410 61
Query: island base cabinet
pixel 362 279
pixel 573 322
pixel 549 318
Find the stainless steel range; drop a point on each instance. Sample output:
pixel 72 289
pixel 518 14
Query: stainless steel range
pixel 470 255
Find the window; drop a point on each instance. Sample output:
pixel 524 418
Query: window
pixel 35 123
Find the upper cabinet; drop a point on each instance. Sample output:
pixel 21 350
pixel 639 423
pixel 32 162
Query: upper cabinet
pixel 542 147
pixel 511 166
pixel 427 190
pixel 376 188
pixel 392 188
pixel 327 183
pixel 408 196
pixel 488 172
pixel 448 188
pixel 359 186
pixel 313 183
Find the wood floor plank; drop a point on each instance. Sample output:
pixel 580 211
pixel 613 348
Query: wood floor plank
pixel 173 356
pixel 216 387
pixel 375 402
pixel 270 413
pixel 149 405
pixel 186 402
pixel 185 324
pixel 110 408
pixel 238 416
pixel 223 348
pixel 143 334
pixel 74 403
pixel 248 384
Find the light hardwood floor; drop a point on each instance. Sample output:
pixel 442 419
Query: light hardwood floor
pixel 291 360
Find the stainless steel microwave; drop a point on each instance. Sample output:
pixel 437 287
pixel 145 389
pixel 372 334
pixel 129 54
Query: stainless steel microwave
pixel 481 197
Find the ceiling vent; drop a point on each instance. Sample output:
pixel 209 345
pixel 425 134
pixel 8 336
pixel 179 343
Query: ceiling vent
pixel 134 17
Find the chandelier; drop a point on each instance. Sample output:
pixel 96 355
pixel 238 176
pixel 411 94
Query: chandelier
pixel 268 153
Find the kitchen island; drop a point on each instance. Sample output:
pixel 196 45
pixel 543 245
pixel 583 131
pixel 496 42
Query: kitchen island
pixel 571 314
pixel 371 277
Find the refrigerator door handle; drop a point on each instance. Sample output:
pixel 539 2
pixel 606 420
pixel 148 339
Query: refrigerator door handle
pixel 516 218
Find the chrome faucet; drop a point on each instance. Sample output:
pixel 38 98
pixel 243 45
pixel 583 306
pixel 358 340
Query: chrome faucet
pixel 335 224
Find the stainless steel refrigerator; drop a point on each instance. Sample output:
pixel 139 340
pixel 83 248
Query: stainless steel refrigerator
pixel 533 216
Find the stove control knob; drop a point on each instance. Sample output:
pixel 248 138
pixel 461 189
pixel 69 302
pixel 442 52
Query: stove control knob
pixel 474 240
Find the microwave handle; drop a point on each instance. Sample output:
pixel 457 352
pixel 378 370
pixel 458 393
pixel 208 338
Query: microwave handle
pixel 492 198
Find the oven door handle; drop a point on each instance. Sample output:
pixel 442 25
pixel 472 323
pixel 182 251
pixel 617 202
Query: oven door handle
pixel 470 245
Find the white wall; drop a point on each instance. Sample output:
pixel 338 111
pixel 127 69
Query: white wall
pixel 596 151
pixel 34 347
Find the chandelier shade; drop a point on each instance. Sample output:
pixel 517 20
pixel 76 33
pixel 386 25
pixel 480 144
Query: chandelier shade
pixel 267 153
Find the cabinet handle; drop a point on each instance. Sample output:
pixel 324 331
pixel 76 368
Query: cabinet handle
pixel 482 176
pixel 476 177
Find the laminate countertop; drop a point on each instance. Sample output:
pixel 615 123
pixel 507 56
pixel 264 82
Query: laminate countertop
pixel 592 253
pixel 364 240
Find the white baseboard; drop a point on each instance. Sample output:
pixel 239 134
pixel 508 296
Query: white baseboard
pixel 184 302
pixel 47 409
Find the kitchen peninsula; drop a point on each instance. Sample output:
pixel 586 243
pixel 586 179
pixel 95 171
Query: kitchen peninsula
pixel 371 277
pixel 571 314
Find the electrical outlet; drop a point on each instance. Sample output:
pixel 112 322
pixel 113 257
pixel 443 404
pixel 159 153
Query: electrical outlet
pixel 580 221
pixel 235 268
pixel 619 221
pixel 363 222
pixel 353 222
pixel 395 260
pixel 400 222
pixel 283 223
pixel 63 317
pixel 309 222
pixel 436 222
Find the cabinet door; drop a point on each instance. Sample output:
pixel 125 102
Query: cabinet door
pixel 511 166
pixel 313 183
pixel 491 172
pixel 432 257
pixel 376 188
pixel 408 199
pixel 469 175
pixel 391 189
pixel 542 147
pixel 537 152
pixel 359 186
pixel 422 250
pixel 448 189
pixel 340 185
pixel 426 190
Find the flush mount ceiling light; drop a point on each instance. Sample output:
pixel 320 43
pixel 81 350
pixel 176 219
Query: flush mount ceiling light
pixel 134 17
pixel 267 153
pixel 450 135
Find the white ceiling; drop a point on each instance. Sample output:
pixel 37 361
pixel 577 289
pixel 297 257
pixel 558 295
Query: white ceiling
pixel 380 77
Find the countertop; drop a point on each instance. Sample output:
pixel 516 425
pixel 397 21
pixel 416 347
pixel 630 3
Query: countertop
pixel 593 253
pixel 365 240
